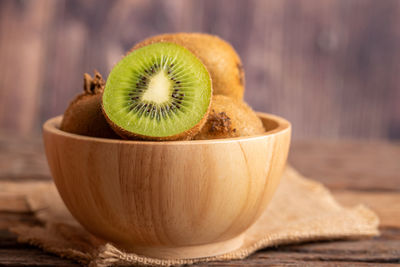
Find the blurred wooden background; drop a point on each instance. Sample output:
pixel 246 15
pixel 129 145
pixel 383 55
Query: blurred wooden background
pixel 331 67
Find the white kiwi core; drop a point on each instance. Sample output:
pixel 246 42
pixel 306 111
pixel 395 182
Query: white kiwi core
pixel 159 88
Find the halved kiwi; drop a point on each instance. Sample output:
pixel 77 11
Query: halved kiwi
pixel 229 117
pixel 158 92
pixel 219 57
pixel 83 115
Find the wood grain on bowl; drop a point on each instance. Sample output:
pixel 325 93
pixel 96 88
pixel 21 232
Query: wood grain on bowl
pixel 168 199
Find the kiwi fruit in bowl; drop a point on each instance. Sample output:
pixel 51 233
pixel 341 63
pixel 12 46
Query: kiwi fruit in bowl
pixel 160 199
pixel 230 118
pixel 83 115
pixel 219 57
pixel 161 91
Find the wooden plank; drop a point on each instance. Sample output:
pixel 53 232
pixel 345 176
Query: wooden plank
pixel 13 253
pixel 358 165
pixel 292 262
pixel 32 257
pixel 322 65
pixel 317 63
pixel 386 205
pixel 384 249
pixel 12 218
pixel 9 240
pixel 22 158
pixel 11 203
pixel 23 26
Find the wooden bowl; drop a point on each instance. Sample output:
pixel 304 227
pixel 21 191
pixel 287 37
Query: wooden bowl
pixel 176 199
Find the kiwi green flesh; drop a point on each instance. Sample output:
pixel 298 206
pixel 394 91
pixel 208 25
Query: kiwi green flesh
pixel 159 90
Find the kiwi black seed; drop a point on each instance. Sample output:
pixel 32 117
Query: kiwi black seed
pixel 158 92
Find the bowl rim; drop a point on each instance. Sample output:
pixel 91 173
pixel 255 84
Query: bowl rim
pixel 52 126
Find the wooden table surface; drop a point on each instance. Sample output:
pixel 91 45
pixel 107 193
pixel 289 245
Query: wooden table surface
pixel 356 172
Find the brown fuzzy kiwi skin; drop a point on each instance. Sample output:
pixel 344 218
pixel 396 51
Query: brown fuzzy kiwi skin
pixel 83 115
pixel 219 57
pixel 230 118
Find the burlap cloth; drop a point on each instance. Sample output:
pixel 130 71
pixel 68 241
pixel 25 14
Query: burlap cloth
pixel 301 210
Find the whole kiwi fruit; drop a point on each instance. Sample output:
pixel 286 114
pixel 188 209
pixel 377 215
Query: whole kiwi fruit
pixel 83 115
pixel 228 118
pixel 161 91
pixel 219 57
